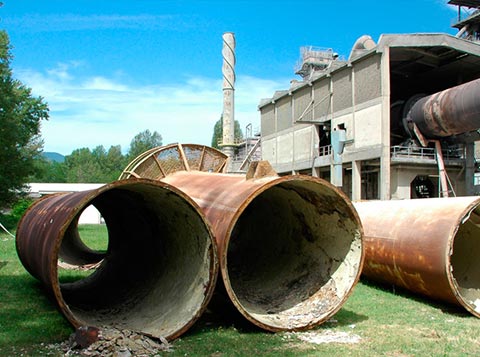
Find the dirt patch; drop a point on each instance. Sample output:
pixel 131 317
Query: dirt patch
pixel 326 336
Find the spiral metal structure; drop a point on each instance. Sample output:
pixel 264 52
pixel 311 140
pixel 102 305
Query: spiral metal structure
pixel 228 70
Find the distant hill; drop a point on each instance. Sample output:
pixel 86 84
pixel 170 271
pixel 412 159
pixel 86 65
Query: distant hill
pixel 54 156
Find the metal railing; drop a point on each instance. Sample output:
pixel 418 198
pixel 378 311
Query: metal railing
pixel 413 153
pixel 408 152
pixel 421 153
pixel 236 141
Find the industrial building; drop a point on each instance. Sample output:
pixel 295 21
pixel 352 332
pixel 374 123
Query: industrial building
pixel 350 120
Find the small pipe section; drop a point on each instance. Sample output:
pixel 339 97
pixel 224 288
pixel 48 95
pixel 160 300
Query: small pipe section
pixel 160 267
pixel 428 246
pixel 290 248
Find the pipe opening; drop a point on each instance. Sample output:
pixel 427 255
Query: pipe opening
pixel 158 272
pixel 80 247
pixel 79 257
pixel 465 263
pixel 94 236
pixel 294 254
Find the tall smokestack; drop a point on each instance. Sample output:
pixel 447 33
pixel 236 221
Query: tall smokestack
pixel 228 70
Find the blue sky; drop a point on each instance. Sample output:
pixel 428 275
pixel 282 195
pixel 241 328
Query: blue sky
pixel 111 69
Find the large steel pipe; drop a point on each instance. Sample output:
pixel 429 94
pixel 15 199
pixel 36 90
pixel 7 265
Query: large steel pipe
pixel 450 112
pixel 290 248
pixel 158 272
pixel 429 246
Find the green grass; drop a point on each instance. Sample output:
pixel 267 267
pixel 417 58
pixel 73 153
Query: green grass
pixel 390 322
pixel 27 316
pixel 94 235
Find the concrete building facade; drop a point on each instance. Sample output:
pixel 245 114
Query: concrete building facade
pixel 344 121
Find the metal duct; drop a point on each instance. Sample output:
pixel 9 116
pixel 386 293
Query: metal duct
pixel 290 248
pixel 429 246
pixel 450 112
pixel 160 268
pixel 363 44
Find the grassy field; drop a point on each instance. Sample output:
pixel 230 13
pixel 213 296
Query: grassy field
pixel 388 322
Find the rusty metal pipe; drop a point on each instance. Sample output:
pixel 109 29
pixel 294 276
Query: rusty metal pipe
pixel 450 112
pixel 428 246
pixel 160 268
pixel 290 248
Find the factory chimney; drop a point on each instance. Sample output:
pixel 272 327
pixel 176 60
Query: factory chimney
pixel 228 70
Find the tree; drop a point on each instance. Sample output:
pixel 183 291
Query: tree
pixel 102 166
pixel 111 162
pixel 218 132
pixel 142 142
pixel 83 166
pixel 115 162
pixel 95 166
pixel 48 171
pixel 20 118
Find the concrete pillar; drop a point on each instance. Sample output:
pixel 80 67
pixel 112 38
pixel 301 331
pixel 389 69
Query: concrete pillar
pixel 469 168
pixel 384 182
pixel 356 180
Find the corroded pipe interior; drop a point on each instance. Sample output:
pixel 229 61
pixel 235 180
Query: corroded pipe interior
pixel 160 267
pixel 465 261
pixel 74 251
pixel 294 255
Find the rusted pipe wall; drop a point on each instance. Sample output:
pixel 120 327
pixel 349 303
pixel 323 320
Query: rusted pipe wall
pixel 290 248
pixel 160 267
pixel 428 246
pixel 450 112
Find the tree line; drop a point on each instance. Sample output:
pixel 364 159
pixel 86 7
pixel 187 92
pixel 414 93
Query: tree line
pixel 93 166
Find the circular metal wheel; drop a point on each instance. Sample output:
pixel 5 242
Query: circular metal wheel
pixel 162 161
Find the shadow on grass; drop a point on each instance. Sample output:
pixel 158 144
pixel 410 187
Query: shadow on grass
pixel 221 314
pixel 345 317
pixel 27 315
pixel 445 307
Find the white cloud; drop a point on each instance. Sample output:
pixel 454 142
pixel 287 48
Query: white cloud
pixel 86 112
pixel 103 84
